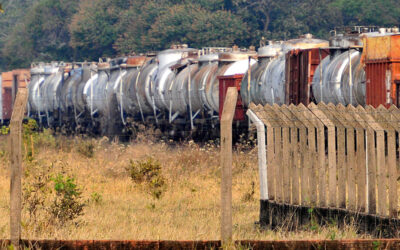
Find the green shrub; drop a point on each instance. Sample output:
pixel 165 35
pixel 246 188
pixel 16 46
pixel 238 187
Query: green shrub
pixel 96 198
pixel 86 148
pixel 67 204
pixel 144 170
pixel 4 130
pixel 148 171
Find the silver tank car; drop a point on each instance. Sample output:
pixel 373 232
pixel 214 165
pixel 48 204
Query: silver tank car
pixel 164 82
pixel 267 80
pixel 178 89
pixel 336 86
pixel 229 63
pixel 252 92
pixel 127 94
pixel 36 99
pixel 207 65
pixel 72 93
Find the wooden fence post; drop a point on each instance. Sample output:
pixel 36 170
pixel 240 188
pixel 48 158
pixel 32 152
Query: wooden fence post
pixel 318 111
pixel 381 163
pixel 371 158
pixel 295 173
pixel 226 164
pixel 16 165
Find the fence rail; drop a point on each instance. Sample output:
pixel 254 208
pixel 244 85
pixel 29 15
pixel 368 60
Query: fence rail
pixel 333 156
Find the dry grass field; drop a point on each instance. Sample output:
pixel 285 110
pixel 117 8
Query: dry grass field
pixel 182 203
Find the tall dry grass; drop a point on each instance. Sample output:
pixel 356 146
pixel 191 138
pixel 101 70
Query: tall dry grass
pixel 118 208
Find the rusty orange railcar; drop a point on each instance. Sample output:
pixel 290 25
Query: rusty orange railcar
pixel 382 67
pixel 301 65
pixel 10 82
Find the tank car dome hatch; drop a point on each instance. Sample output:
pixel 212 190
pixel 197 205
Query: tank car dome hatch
pixel 136 61
pixel 235 56
pixel 173 55
pixel 208 58
pixel 271 50
pixel 305 42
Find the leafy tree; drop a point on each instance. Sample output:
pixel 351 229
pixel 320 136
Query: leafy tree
pixel 182 23
pixel 94 28
pixel 369 12
pixel 43 35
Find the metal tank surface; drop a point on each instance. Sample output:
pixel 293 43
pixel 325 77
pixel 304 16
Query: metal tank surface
pixel 165 75
pixel 127 95
pixel 267 82
pixel 36 99
pixel 145 100
pixel 207 66
pixel 335 86
pixel 181 90
pixel 251 92
pixel 67 92
pixel 230 63
pixel 72 93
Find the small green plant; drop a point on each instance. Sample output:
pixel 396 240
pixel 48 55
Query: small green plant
pixel 96 198
pixel 148 171
pixel 4 130
pixel 67 204
pixel 314 226
pixel 86 148
pixel 144 170
pixel 376 245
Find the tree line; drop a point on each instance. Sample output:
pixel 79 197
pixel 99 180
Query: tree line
pixel 79 30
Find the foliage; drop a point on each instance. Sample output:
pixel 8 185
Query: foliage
pixel 148 171
pixel 67 204
pixel 85 148
pixel 50 196
pixel 96 198
pixel 4 130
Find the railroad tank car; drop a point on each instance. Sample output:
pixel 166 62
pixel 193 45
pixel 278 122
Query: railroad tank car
pixel 36 99
pixel 207 64
pixel 127 94
pixel 101 95
pixel 178 90
pixel 229 63
pixel 343 79
pixel 267 78
pixel 166 94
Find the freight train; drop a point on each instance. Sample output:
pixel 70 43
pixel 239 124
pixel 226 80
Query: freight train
pixel 180 91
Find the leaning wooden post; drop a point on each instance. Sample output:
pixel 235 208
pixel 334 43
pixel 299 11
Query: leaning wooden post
pixel 16 166
pixel 226 164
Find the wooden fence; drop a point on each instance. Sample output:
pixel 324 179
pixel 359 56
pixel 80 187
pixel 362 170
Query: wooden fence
pixel 337 157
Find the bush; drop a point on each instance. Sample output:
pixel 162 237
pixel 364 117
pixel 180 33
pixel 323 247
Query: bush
pixel 144 170
pixel 67 204
pixel 96 198
pixel 86 148
pixel 148 171
pixel 51 198
pixel 4 130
